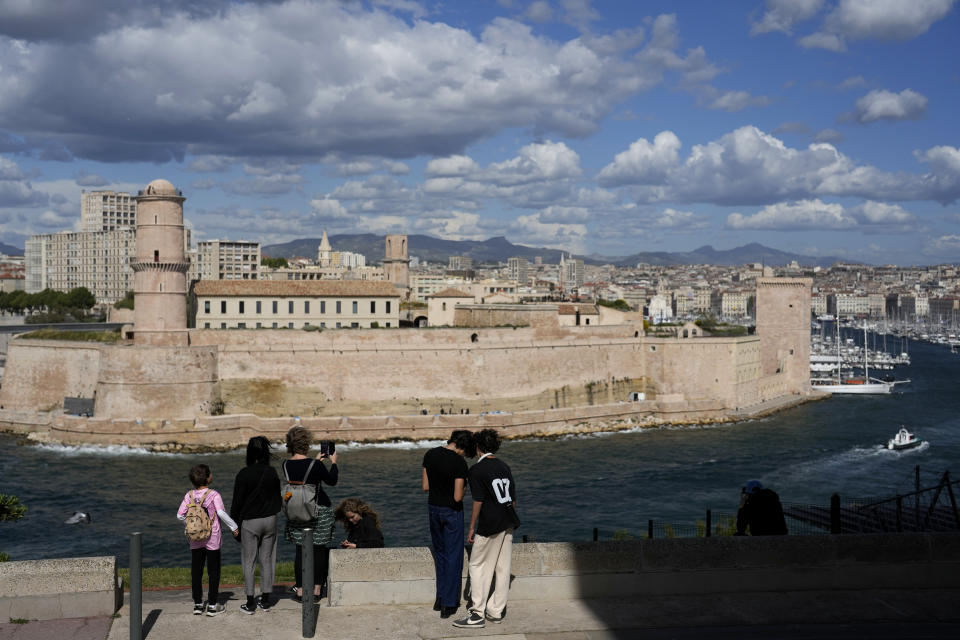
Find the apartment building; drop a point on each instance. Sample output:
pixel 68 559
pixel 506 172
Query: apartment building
pixel 97 260
pixel 107 211
pixel 518 269
pixel 228 260
pixel 267 304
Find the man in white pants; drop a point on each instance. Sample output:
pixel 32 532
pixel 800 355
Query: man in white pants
pixel 491 531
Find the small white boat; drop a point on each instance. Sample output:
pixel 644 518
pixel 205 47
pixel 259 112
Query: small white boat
pixel 903 440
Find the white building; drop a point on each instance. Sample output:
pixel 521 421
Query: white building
pixel 519 269
pixel 107 211
pixel 228 260
pixel 571 274
pixel 97 260
pixel 660 309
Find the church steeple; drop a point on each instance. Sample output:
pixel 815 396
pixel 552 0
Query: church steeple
pixel 323 252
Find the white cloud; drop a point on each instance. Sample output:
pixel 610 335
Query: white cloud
pixel 358 168
pixel 737 101
pixel 643 162
pixel 818 215
pixel 820 40
pixel 539 11
pixel 881 104
pixel 396 168
pixel 886 19
pixel 329 209
pixel 451 166
pixel 830 136
pixel 781 15
pixel 947 246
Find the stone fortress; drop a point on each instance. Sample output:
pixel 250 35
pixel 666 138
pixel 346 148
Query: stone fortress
pixel 173 387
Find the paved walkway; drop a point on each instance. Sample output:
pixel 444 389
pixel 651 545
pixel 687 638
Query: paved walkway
pixel 792 616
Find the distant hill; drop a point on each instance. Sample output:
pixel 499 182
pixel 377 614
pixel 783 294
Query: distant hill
pixel 10 250
pixel 499 249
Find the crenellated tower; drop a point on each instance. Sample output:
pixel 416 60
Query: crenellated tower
pixel 160 268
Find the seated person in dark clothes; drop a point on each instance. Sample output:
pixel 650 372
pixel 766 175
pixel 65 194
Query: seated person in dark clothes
pixel 760 509
pixel 361 522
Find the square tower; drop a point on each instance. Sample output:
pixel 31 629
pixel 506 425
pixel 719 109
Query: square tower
pixel 396 260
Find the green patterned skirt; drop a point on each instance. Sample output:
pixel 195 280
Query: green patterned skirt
pixel 322 527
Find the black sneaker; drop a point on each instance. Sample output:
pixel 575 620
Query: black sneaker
pixel 493 619
pixel 198 609
pixel 248 609
pixel 436 604
pixel 473 621
pixel 263 603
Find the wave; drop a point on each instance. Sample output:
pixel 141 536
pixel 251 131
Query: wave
pixel 104 450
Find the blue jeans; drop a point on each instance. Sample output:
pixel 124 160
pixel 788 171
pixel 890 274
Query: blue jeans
pixel 446 532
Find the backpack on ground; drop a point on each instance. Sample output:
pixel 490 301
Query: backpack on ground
pixel 197 524
pixel 299 498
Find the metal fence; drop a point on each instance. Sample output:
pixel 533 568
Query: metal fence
pixel 932 509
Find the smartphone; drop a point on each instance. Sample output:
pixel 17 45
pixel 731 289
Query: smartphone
pixel 328 448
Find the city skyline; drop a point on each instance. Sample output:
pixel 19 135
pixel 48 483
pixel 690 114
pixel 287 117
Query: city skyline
pixel 818 127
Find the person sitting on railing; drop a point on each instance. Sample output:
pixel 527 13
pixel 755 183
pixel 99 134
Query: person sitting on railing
pixel 760 511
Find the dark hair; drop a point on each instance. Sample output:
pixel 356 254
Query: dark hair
pixel 355 505
pixel 199 475
pixel 487 440
pixel 463 440
pixel 258 450
pixel 299 440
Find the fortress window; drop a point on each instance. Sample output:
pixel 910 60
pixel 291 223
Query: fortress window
pixel 289 325
pixel 443 306
pixel 290 307
pixel 223 325
pixel 258 306
pixel 373 306
pixel 338 325
pixel 206 307
pixel 306 306
pixel 653 347
pixel 274 310
pixel 338 312
pixel 274 325
pixel 259 325
pixel 388 325
pixel 156 256
pixel 206 325
pixel 240 306
pixel 223 306
pixel 323 325
pixel 473 337
pixel 241 325
pixel 354 306
pixel 323 306
pixel 354 325
pixel 388 308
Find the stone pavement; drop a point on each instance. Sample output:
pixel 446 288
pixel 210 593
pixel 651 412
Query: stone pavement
pixel 796 615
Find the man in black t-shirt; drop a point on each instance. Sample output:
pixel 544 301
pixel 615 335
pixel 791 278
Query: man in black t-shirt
pixel 444 476
pixel 492 522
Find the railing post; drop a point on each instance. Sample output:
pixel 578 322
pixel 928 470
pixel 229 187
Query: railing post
pixel 596 534
pixel 899 513
pixel 707 534
pixel 136 586
pixel 650 529
pixel 307 624
pixel 835 525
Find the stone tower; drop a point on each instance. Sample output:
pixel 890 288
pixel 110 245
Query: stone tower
pixel 160 268
pixel 783 325
pixel 396 261
pixel 324 251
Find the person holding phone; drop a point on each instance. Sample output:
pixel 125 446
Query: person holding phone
pixel 299 467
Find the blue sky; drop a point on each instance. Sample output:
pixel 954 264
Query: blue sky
pixel 823 127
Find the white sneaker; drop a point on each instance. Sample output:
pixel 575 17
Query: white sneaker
pixel 215 609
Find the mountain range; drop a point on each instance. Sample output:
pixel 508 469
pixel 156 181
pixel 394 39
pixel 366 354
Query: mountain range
pixel 499 249
pixel 10 250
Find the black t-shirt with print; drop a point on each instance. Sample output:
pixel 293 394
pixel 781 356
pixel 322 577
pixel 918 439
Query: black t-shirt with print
pixel 491 483
pixel 443 468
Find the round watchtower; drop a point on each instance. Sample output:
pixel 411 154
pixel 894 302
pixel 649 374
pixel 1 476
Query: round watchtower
pixel 160 268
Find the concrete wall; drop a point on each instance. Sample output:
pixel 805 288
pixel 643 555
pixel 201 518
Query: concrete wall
pixel 59 588
pixel 725 565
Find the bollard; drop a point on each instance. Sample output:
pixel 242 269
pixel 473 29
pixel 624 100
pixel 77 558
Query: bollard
pixel 307 624
pixel 708 524
pixel 835 527
pixel 596 534
pixel 650 529
pixel 136 586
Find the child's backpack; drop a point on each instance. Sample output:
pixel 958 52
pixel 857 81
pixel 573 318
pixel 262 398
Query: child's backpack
pixel 197 524
pixel 299 498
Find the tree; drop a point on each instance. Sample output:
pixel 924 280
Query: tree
pixel 126 302
pixel 619 305
pixel 274 263
pixel 11 510
pixel 80 298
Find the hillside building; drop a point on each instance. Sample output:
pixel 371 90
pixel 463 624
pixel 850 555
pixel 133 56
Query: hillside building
pixel 228 260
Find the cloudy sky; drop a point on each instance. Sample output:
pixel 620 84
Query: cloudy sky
pixel 825 127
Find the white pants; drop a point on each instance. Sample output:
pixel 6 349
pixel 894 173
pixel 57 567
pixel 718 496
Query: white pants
pixel 490 555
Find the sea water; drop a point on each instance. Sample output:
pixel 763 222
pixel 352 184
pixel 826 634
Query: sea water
pixel 566 486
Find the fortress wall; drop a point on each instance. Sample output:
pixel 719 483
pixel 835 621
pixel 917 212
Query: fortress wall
pixel 721 370
pixel 39 373
pixel 172 382
pixel 501 363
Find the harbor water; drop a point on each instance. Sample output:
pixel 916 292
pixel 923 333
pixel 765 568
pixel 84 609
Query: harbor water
pixel 566 486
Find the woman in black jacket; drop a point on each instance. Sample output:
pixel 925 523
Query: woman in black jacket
pixel 362 524
pixel 255 505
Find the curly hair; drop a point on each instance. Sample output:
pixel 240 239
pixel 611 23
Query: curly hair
pixel 199 475
pixel 299 441
pixel 356 505
pixel 487 440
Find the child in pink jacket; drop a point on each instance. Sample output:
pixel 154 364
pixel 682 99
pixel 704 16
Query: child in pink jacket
pixel 206 551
